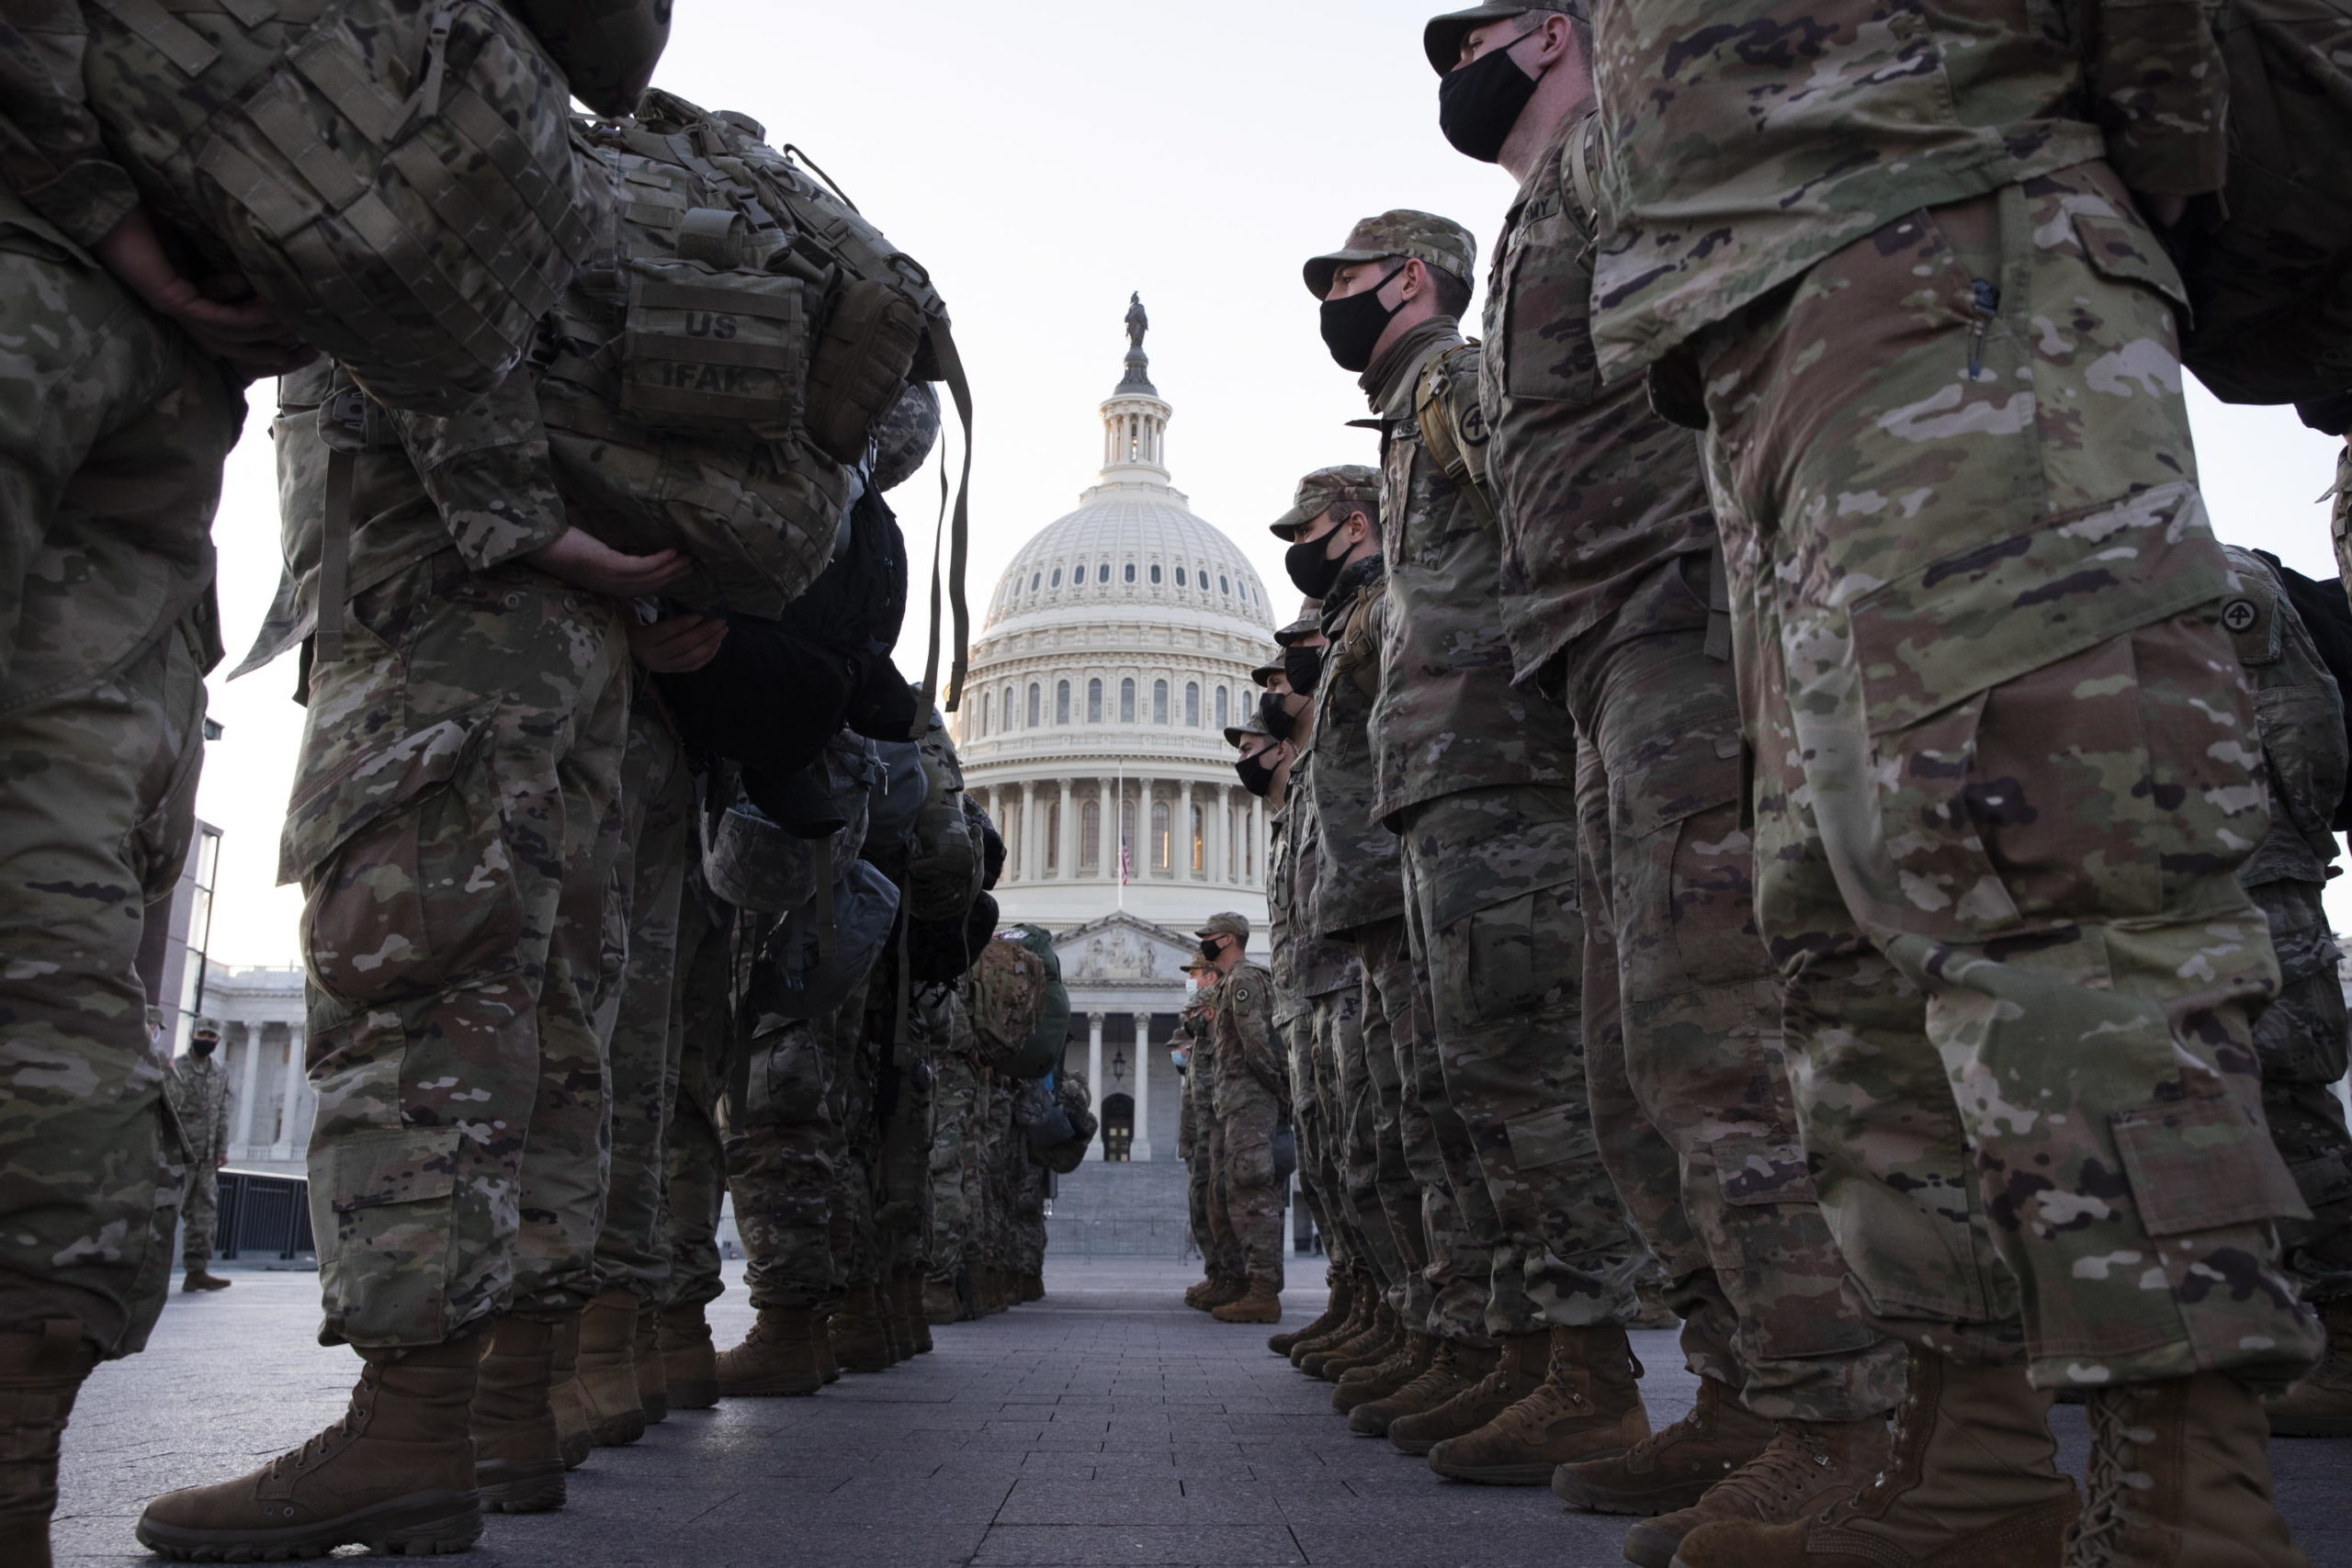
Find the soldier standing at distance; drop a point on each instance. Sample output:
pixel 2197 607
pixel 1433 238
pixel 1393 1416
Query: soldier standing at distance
pixel 1190 1043
pixel 200 1091
pixel 1609 564
pixel 1477 780
pixel 2006 766
pixel 1247 1109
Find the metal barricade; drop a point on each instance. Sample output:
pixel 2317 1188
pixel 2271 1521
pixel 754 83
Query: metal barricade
pixel 263 1216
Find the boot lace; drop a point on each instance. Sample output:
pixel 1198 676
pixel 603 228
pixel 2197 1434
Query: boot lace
pixel 2110 1479
pixel 1791 1465
pixel 1440 1373
pixel 1549 1403
pixel 319 1445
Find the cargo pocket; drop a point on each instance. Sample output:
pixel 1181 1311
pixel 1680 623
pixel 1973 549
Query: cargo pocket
pixel 1999 797
pixel 785 1077
pixel 1509 959
pixel 1756 1171
pixel 1684 869
pixel 402 853
pixel 2201 1165
pixel 387 1200
pixel 1554 1135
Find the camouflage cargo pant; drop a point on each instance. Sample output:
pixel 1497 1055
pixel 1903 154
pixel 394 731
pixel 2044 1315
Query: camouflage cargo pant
pixel 857 1158
pixel 990 1114
pixel 456 824
pixel 648 1024
pixel 112 434
pixel 1690 1094
pixel 1490 877
pixel 1311 1126
pixel 1241 1150
pixel 1447 1265
pixel 1029 1184
pixel 695 1184
pixel 1953 470
pixel 784 1163
pixel 909 1104
pixel 954 1097
pixel 199 1212
pixel 1345 1085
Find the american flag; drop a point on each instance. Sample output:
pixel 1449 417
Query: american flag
pixel 1124 864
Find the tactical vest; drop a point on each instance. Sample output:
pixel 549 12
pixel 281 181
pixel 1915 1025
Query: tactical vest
pixel 395 177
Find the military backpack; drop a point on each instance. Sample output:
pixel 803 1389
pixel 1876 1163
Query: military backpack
pixel 395 177
pixel 2271 286
pixel 1008 999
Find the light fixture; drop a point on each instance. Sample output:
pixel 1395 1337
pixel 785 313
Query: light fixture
pixel 1119 1064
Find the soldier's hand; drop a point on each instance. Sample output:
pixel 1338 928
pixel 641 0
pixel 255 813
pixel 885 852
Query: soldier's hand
pixel 587 562
pixel 678 646
pixel 222 314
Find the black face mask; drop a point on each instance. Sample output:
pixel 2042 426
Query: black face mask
pixel 1302 667
pixel 1312 569
pixel 1209 946
pixel 1478 104
pixel 1351 327
pixel 1257 775
pixel 202 1047
pixel 1275 715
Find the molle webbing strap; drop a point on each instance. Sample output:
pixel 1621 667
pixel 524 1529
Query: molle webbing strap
pixel 1718 607
pixel 335 559
pixel 171 38
pixel 951 364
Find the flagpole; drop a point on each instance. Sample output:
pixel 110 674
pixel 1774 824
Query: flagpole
pixel 1122 821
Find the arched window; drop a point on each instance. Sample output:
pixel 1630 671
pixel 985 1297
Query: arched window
pixel 1057 577
pixel 1159 835
pixel 1126 846
pixel 1061 703
pixel 1224 584
pixel 1221 719
pixel 1102 573
pixel 1089 836
pixel 1199 858
pixel 1180 577
pixel 1154 572
pixel 985 704
pixel 1160 702
pixel 1127 702
pixel 1007 710
pixel 1053 838
pixel 1034 579
pixel 1036 699
pixel 1192 704
pixel 1094 702
pixel 1131 572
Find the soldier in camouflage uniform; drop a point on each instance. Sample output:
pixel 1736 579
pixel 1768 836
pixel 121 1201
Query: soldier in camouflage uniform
pixel 955 1097
pixel 2304 1036
pixel 1476 777
pixel 120 394
pixel 1247 1106
pixel 694 1184
pixel 1608 568
pixel 1220 1268
pixel 199 1096
pixel 1972 582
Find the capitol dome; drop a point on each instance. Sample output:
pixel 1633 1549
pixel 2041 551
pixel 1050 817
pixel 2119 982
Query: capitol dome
pixel 1115 650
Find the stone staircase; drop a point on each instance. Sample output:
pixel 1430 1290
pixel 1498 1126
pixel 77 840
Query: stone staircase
pixel 1123 1210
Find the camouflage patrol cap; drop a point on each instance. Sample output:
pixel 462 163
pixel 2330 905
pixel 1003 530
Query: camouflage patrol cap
pixel 1265 674
pixel 1309 624
pixel 1236 734
pixel 1226 924
pixel 1325 489
pixel 205 1028
pixel 1425 237
pixel 1442 38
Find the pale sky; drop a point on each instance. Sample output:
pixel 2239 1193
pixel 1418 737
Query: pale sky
pixel 1044 160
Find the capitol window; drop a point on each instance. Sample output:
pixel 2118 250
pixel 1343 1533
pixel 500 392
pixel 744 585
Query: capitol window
pixel 1035 696
pixel 1034 579
pixel 1127 702
pixel 1160 702
pixel 1089 836
pixel 1007 708
pixel 1224 585
pixel 1053 838
pixel 985 706
pixel 1200 841
pixel 1180 577
pixel 1131 573
pixel 1061 703
pixel 1094 702
pixel 1057 577
pixel 1160 846
pixel 1155 571
pixel 1192 704
pixel 1221 721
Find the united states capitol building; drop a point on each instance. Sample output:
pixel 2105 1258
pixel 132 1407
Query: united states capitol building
pixel 1115 650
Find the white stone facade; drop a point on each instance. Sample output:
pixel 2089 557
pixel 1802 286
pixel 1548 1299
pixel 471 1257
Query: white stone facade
pixel 270 1103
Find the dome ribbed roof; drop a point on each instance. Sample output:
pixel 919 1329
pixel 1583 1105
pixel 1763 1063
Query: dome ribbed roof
pixel 1131 544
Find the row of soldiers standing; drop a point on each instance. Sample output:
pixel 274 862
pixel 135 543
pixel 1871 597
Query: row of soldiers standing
pixel 617 896
pixel 1866 856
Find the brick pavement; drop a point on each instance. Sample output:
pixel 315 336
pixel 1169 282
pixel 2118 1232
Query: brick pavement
pixel 1104 1425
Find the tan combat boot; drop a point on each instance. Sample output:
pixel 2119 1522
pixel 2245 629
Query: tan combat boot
pixel 1335 1312
pixel 777 1359
pixel 1381 1338
pixel 1198 1291
pixel 607 1376
pixel 1517 1370
pixel 1230 1287
pixel 941 1303
pixel 2178 1479
pixel 1261 1303
pixel 1588 1406
pixel 2320 1405
pixel 572 1437
pixel 689 1364
pixel 1454 1369
pixel 395 1475
pixel 42 1370
pixel 1369 1309
pixel 1365 1385
pixel 1033 1288
pixel 646 1365
pixel 199 1278
pixel 860 1343
pixel 1973 1483
pixel 1807 1466
pixel 1673 1467
pixel 518 1463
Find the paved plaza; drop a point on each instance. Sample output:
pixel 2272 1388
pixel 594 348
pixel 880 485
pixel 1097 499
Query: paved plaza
pixel 1105 1424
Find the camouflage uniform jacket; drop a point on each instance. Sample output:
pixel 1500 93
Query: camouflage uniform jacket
pixel 1360 880
pixel 1282 917
pixel 1597 492
pixel 1320 967
pixel 198 1088
pixel 1248 1054
pixel 52 153
pixel 1749 138
pixel 1448 718
pixel 478 482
